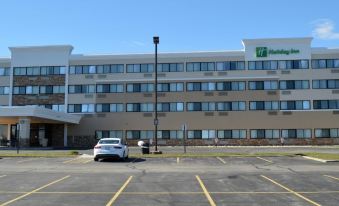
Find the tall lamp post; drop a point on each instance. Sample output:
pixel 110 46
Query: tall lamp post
pixel 156 121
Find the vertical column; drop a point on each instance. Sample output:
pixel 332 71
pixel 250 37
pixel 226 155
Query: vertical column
pixel 66 88
pixel 9 132
pixel 11 79
pixel 65 135
pixel 24 131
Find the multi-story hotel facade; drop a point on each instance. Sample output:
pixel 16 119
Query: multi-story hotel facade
pixel 272 89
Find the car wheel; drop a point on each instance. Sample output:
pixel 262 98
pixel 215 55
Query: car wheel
pixel 96 159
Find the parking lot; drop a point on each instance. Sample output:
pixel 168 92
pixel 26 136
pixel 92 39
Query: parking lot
pixel 169 181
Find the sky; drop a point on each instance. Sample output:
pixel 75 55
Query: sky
pixel 127 26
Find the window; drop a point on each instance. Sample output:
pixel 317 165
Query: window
pixel 325 63
pixel 264 105
pixel 295 105
pixel 139 68
pixel 293 64
pixel 139 134
pixel 230 86
pixel 230 65
pixel 200 66
pixel 139 107
pixel 294 84
pixel 99 134
pixel 171 67
pixel 325 84
pixel 139 87
pixel 263 65
pixel 263 85
pixel 4 71
pixel 109 107
pixel 171 87
pixel 231 134
pixel 264 133
pixel 170 107
pixel 4 90
pixel 326 104
pixel 296 133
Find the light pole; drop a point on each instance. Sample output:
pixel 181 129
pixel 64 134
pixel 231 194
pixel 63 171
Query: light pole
pixel 156 121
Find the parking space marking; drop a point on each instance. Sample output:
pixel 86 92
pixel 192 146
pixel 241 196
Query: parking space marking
pixel 34 191
pixel 116 195
pixel 2 176
pixel 207 194
pixel 266 160
pixel 329 176
pixel 87 161
pixel 178 160
pixel 291 191
pixel 28 160
pixel 223 161
pixel 68 161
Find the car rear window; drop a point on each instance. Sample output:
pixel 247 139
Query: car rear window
pixel 109 142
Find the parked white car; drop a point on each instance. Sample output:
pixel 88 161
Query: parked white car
pixel 111 148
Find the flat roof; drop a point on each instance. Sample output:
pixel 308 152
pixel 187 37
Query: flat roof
pixel 37 112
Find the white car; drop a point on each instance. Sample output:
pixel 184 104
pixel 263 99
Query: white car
pixel 111 148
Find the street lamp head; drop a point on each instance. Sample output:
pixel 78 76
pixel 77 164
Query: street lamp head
pixel 156 40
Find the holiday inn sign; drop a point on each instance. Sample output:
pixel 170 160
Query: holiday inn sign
pixel 264 51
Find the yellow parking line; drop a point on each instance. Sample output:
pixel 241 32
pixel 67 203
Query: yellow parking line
pixel 116 195
pixel 34 191
pixel 71 160
pixel 178 160
pixel 291 191
pixel 87 161
pixel 207 194
pixel 265 159
pixel 223 161
pixel 335 178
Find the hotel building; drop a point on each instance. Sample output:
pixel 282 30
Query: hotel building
pixel 272 88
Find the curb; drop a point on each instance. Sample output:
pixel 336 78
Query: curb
pixel 319 160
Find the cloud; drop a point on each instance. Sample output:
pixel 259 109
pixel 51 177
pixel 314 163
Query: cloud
pixel 324 29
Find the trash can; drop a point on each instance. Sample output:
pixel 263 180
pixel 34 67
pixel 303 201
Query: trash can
pixel 145 148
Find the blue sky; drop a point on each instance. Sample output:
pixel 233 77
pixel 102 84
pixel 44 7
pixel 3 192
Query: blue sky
pixel 127 26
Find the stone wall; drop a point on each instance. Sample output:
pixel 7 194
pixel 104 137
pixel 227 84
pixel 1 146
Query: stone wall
pixel 39 80
pixel 19 100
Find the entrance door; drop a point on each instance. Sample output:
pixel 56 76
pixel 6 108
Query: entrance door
pixel 14 135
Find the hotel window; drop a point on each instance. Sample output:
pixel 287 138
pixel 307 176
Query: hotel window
pixel 110 88
pixel 139 134
pixel 264 105
pixel 109 107
pixel 171 67
pixel 296 133
pixel 32 89
pixel 231 134
pixel 140 68
pixel 171 87
pixel 293 64
pixel 294 84
pixel 263 65
pixel 58 107
pixel 295 105
pixel 99 134
pixel 323 133
pixel 200 66
pixel 81 108
pixel 263 85
pixel 201 86
pixel 18 71
pixel 4 71
pixel 230 86
pixel 326 104
pixel 139 107
pixel 264 133
pixel 4 90
pixel 325 63
pixel 230 106
pixel 170 107
pixel 139 87
pixel 201 106
pixel 170 134
pixel 326 84
pixel 230 65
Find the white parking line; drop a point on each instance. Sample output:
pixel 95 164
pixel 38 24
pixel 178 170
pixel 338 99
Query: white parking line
pixel 2 176
pixel 223 161
pixel 178 160
pixel 266 160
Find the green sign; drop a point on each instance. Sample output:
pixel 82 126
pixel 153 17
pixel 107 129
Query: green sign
pixel 264 51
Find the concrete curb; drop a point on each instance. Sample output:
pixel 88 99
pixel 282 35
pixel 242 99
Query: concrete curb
pixel 319 160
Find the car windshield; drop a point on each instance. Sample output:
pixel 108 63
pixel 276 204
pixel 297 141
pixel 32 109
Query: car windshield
pixel 109 142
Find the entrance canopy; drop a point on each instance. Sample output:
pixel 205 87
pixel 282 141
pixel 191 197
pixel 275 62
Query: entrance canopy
pixel 36 114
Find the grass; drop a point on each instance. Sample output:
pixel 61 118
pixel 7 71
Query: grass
pixel 39 154
pixel 324 156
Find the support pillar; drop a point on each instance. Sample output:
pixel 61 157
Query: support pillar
pixel 24 131
pixel 65 135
